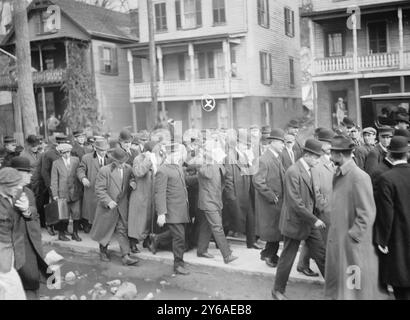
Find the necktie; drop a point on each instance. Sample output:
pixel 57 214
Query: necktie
pixel 101 162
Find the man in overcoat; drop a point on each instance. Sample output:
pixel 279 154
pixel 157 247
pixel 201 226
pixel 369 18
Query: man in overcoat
pixel 112 188
pixel 379 152
pixel 392 225
pixel 87 172
pixel 298 220
pixel 268 183
pixel 351 262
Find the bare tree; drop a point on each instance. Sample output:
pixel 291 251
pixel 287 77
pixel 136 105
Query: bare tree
pixel 25 92
pixel 108 4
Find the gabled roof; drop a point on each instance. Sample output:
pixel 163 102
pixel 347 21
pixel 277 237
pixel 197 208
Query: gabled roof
pixel 93 20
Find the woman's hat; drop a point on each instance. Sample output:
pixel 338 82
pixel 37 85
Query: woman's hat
pixel 342 143
pixel 119 155
pixel 313 146
pixel 10 177
pixel 20 164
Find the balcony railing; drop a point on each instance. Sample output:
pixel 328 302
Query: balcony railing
pixel 40 78
pixel 378 61
pixel 182 88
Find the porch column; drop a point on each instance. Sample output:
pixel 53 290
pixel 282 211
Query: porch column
pixel 312 45
pixel 355 55
pixel 191 54
pixel 43 95
pixel 131 73
pixel 358 104
pixel 66 52
pixel 226 48
pixel 401 49
pixel 402 84
pixel 160 71
pixel 315 104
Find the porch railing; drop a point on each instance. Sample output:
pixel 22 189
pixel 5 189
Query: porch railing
pixel 46 77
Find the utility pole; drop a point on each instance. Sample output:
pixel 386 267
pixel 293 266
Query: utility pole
pixel 153 114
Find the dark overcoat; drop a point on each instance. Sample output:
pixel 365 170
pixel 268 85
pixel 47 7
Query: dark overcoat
pixel 375 157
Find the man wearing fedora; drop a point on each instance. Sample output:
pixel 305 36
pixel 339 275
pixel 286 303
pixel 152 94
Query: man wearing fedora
pixel 392 225
pixel 351 260
pixel 87 172
pixel 79 149
pixel 65 185
pixel 298 219
pixel 10 144
pixel 31 151
pixel 402 121
pixel 361 152
pixel 112 188
pixel 268 183
pixel 379 152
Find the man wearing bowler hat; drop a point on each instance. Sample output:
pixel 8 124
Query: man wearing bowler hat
pixel 351 260
pixel 361 152
pixel 298 220
pixel 87 172
pixel 112 188
pixel 268 183
pixel 392 225
pixel 379 152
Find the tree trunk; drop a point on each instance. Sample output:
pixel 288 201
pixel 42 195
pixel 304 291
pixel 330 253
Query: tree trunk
pixel 25 92
pixel 153 111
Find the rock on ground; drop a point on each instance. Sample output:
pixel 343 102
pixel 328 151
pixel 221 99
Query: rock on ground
pixel 127 291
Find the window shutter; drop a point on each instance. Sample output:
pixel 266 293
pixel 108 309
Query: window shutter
pixel 114 61
pixel 198 13
pixel 178 14
pixel 267 14
pixel 262 69
pixel 101 56
pixel 286 21
pixel 293 23
pixel 259 12
pixel 270 68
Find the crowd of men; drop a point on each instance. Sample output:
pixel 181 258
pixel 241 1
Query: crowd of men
pixel 342 194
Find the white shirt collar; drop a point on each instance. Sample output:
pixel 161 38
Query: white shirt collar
pixel 395 163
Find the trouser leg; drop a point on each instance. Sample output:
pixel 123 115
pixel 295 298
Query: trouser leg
pixel 304 257
pixel 271 251
pixel 214 219
pixel 285 263
pixel 317 249
pixel 250 228
pixel 164 239
pixel 122 233
pixel 401 293
pixel 205 233
pixel 178 243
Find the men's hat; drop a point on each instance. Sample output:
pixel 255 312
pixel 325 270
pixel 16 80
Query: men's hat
pixel 266 130
pixel 293 124
pixel 325 135
pixel 399 144
pixel 254 126
pixel 348 123
pixel 402 133
pixel 386 131
pixel 149 146
pixel 61 138
pixel 78 133
pixel 402 117
pixel 313 146
pixel 370 130
pixel 101 145
pixel 91 140
pixel 277 134
pixel 119 155
pixel 289 138
pixel 3 152
pixel 342 143
pixel 9 139
pixel 20 164
pixel 125 136
pixel 64 147
pixel 10 177
pixel 32 140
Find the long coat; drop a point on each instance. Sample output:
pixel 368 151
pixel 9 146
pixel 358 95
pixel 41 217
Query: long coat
pixel 108 187
pixel 374 158
pixel 392 225
pixel 88 168
pixel 361 153
pixel 351 262
pixel 268 183
pixel 64 182
pixel 140 206
pixel 47 164
pixel 171 195
pixel 286 160
pixel 298 211
pixel 78 151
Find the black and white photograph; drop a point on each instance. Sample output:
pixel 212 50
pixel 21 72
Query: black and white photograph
pixel 222 151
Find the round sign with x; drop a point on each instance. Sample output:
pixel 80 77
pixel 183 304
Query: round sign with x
pixel 208 103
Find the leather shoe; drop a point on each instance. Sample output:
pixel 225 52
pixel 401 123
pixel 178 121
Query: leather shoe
pixel 181 270
pixel 255 246
pixel 87 228
pixel 51 231
pixel 270 262
pixel 128 261
pixel 76 237
pixel 104 257
pixel 63 237
pixel 153 243
pixel 135 249
pixel 276 295
pixel 205 255
pixel 230 258
pixel 308 272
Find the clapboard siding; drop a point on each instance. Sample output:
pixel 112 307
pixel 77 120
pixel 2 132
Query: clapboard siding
pixel 324 5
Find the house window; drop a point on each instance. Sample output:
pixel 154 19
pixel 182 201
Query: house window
pixel 188 14
pixel 289 22
pixel 335 44
pixel 181 66
pixel 161 16
pixel 138 70
pixel 49 63
pixel 44 24
pixel 379 89
pixel 204 65
pixel 377 37
pixel 234 66
pixel 266 68
pixel 292 72
pixel 219 11
pixel 108 60
pixel 263 13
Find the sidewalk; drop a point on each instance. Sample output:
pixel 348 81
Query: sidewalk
pixel 248 261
